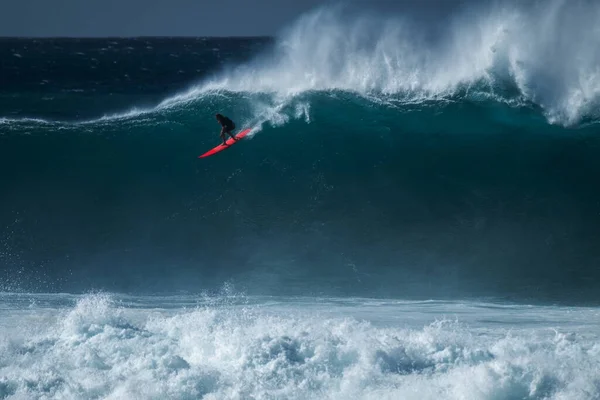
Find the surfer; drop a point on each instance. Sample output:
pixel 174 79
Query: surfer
pixel 227 127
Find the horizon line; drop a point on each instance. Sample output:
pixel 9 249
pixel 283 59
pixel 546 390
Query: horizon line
pixel 141 37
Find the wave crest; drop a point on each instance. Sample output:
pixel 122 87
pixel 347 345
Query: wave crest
pixel 543 54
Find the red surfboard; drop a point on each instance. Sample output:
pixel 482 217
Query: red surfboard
pixel 228 144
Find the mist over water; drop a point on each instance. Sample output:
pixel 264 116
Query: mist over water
pixel 537 53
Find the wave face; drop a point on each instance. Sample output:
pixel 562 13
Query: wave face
pixel 385 159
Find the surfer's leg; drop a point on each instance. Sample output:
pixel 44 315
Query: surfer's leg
pixel 230 133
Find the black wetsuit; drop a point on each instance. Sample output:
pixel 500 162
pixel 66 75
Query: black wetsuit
pixel 227 124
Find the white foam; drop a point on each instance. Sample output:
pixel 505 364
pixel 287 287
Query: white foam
pixel 309 349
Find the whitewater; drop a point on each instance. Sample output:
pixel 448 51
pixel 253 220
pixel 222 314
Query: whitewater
pixel 414 216
pixel 237 347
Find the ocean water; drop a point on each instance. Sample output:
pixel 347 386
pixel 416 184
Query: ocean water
pixel 414 215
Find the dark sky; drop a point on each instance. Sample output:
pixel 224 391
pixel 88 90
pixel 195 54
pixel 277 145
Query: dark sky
pixel 173 17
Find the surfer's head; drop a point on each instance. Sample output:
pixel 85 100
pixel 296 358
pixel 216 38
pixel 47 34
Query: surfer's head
pixel 219 117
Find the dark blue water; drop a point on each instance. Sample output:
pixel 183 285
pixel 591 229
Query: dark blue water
pixel 365 175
